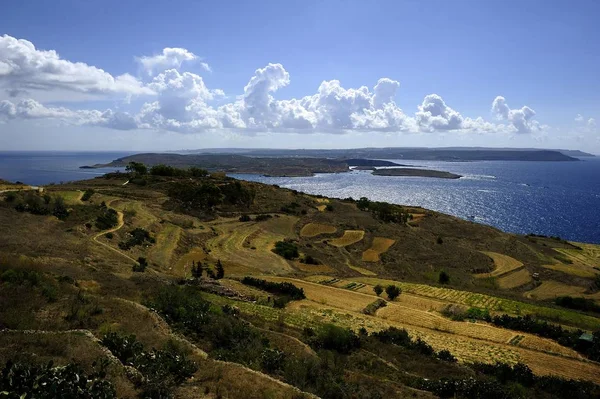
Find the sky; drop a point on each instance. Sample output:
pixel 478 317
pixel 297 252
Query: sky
pixel 151 76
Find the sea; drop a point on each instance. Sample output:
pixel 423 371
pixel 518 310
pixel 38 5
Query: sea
pixel 551 198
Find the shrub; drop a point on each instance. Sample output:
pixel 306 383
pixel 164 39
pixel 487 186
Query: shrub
pixel 245 218
pixel 446 356
pixel 439 240
pixel 374 306
pixel 309 260
pixel 378 289
pixel 577 303
pixel 141 265
pixel 87 194
pixel 286 289
pixel 109 236
pixel 444 278
pixel 22 380
pixel 138 236
pixel 392 292
pixel 107 219
pixel 286 249
pixel 332 337
pixel 262 218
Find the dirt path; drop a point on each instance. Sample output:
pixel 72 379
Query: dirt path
pixel 117 227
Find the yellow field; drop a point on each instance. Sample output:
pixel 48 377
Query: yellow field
pixel 552 289
pixel 362 270
pixel 379 246
pixel 514 279
pixel 574 269
pixel 350 237
pixel 468 341
pixel 161 253
pixel 314 229
pixel 322 200
pixel 321 208
pixel 313 268
pixel 588 255
pixel 504 264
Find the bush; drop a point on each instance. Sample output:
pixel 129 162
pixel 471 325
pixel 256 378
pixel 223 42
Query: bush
pixel 332 337
pixel 446 356
pixel 444 278
pixel 286 289
pixel 87 194
pixel 309 260
pixel 392 292
pixel 378 289
pixel 286 249
pixel 107 219
pixel 138 236
pixel 22 380
pixel 262 218
pixel 374 306
pixel 141 265
pixel 577 303
pixel 245 218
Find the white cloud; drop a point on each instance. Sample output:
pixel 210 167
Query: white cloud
pixel 170 58
pixel 521 119
pixel 23 67
pixel 181 101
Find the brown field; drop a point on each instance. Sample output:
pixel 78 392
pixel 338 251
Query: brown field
pixel 514 279
pixel 314 229
pixel 504 264
pixel 350 237
pixel 313 268
pixel 552 289
pixel 379 246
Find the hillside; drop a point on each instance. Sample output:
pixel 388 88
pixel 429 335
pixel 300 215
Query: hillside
pixel 243 290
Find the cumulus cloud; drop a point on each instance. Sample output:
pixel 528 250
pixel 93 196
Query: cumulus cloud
pixel 521 119
pixel 31 109
pixel 169 59
pixel 23 67
pixel 180 101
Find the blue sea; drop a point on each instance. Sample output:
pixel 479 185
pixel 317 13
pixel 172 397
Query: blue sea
pixel 551 198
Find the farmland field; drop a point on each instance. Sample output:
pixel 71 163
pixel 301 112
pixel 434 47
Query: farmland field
pixel 379 246
pixel 314 229
pixel 514 279
pixel 504 264
pixel 552 289
pixel 350 237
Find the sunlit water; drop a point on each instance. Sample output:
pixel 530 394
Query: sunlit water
pixel 551 198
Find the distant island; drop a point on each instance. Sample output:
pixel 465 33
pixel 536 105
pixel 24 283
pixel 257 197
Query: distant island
pixel 456 154
pixel 416 173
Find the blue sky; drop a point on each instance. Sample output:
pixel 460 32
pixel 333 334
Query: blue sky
pixel 446 64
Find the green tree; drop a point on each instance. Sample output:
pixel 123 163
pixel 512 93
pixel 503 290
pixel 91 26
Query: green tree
pixel 220 270
pixel 378 289
pixel 363 203
pixel 196 269
pixel 392 292
pixel 444 277
pixel 137 168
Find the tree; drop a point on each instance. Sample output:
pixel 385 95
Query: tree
pixel 378 289
pixel 141 265
pixel 363 203
pixel 444 277
pixel 196 269
pixel 220 271
pixel 137 168
pixel 392 292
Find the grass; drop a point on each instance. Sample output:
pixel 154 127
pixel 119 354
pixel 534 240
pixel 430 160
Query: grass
pixel 166 242
pixel 504 264
pixel 314 229
pixel 573 269
pixel 350 237
pixel 379 246
pixel 514 279
pixel 70 197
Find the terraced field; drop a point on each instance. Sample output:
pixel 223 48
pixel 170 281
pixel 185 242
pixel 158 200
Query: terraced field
pixel 514 279
pixel 468 341
pixel 362 270
pixel 350 237
pixel 315 229
pixel 504 264
pixel 379 246
pixel 231 245
pixel 551 289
